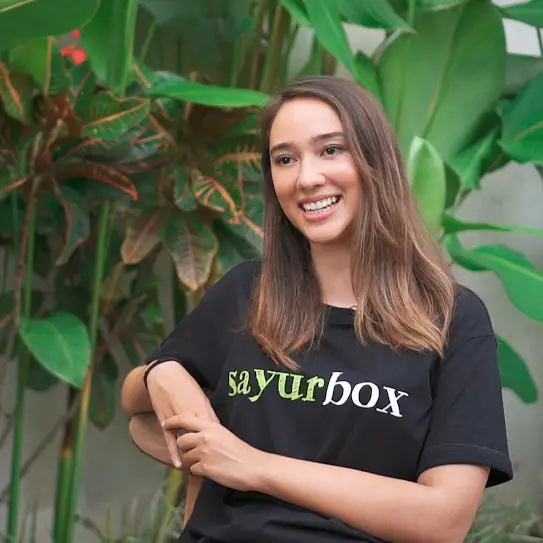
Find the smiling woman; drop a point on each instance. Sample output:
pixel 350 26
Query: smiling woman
pixel 344 388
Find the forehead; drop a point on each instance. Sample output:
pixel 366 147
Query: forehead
pixel 301 119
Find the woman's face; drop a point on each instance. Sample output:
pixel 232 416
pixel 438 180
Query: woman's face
pixel 314 175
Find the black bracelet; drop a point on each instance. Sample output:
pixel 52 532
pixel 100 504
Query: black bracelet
pixel 154 364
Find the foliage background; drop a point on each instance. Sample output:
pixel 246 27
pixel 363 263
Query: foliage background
pixel 139 166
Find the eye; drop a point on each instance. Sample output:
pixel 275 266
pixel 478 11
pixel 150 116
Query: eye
pixel 283 160
pixel 332 150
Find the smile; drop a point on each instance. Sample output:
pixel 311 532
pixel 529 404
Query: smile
pixel 325 204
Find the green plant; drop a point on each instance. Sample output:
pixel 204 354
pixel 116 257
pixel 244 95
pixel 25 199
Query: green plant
pixel 150 147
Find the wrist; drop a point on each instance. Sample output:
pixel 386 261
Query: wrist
pixel 263 471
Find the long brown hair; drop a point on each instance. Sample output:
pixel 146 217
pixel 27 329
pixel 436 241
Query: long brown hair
pixel 403 287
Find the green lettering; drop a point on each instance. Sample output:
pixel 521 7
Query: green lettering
pixel 294 394
pixel 232 382
pixel 311 385
pixel 243 385
pixel 262 382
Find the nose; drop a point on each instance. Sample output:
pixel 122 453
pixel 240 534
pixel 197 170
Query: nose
pixel 310 176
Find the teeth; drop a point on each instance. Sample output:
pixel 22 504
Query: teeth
pixel 321 204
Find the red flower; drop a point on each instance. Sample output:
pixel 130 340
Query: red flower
pixel 78 55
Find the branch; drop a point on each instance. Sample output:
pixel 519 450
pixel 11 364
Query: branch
pixel 44 443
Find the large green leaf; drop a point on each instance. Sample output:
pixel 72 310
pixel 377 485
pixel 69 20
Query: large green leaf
pixel 522 136
pixel 372 14
pixel 61 343
pixel 24 20
pixel 207 95
pixel 438 4
pixel 326 21
pixel 108 40
pixel 77 222
pixel 515 374
pixel 192 246
pixel 41 58
pixel 452 225
pixel 143 234
pixel 427 178
pixel 522 281
pixel 297 11
pixel 519 69
pixel 233 249
pixel 469 163
pixel 110 118
pixel 367 74
pixel 432 82
pixel 530 12
pixel 184 197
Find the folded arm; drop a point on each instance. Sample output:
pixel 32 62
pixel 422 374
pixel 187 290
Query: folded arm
pixel 439 508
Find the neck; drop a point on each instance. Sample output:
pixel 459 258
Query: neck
pixel 333 270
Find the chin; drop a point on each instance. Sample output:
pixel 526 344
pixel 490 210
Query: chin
pixel 329 237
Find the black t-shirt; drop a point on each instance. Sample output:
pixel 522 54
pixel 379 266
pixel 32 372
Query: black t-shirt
pixel 369 408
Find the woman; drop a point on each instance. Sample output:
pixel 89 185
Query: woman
pixel 354 391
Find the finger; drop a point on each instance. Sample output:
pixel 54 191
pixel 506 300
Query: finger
pixel 188 421
pixel 190 458
pixel 187 442
pixel 169 437
pixel 197 469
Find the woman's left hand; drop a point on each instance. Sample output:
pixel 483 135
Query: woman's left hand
pixel 209 450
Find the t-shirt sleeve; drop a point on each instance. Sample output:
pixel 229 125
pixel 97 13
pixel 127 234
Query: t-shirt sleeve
pixel 200 342
pixel 468 422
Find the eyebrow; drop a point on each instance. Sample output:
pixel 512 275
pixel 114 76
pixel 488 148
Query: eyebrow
pixel 314 139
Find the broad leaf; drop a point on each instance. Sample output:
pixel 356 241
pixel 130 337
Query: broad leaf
pixel 77 222
pixel 469 163
pixel 522 281
pixel 452 225
pixel 213 195
pixel 372 14
pixel 16 90
pixel 61 343
pixel 110 118
pixel 427 179
pixel 366 74
pixel 522 135
pixel 192 246
pixel 108 40
pixel 100 172
pixel 519 69
pixel 515 374
pixel 297 11
pixel 103 394
pixel 184 197
pixel 427 77
pixel 438 4
pixel 530 12
pixel 22 21
pixel 143 234
pixel 233 249
pixel 41 58
pixel 326 21
pixel 39 379
pixel 208 95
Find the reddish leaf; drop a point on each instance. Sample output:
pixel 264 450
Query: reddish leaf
pixel 100 172
pixel 77 222
pixel 212 194
pixel 142 235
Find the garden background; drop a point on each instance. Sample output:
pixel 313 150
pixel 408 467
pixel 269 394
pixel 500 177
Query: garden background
pixel 129 182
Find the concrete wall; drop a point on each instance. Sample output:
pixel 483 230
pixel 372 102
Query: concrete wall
pixel 115 473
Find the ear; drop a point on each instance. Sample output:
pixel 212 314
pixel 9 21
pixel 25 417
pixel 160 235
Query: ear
pixel 147 435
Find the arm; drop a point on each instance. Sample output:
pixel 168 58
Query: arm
pixel 146 432
pixel 439 508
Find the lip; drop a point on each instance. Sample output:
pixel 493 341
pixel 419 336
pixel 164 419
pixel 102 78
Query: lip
pixel 323 215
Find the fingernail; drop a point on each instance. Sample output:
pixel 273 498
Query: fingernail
pixel 177 464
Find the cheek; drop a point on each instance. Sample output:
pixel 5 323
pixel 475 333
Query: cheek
pixel 284 184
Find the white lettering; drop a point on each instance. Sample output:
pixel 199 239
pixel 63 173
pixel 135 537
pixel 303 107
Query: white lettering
pixel 393 397
pixel 346 388
pixel 373 397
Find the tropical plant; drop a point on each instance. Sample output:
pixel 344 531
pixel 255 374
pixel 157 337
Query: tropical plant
pixel 135 137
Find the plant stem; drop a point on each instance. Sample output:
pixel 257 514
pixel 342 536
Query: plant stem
pixel 275 47
pixel 81 427
pixel 22 377
pixel 257 39
pixel 411 13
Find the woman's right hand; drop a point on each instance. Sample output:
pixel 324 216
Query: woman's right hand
pixel 173 391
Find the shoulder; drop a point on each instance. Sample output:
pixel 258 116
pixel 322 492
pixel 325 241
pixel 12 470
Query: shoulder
pixel 470 316
pixel 235 286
